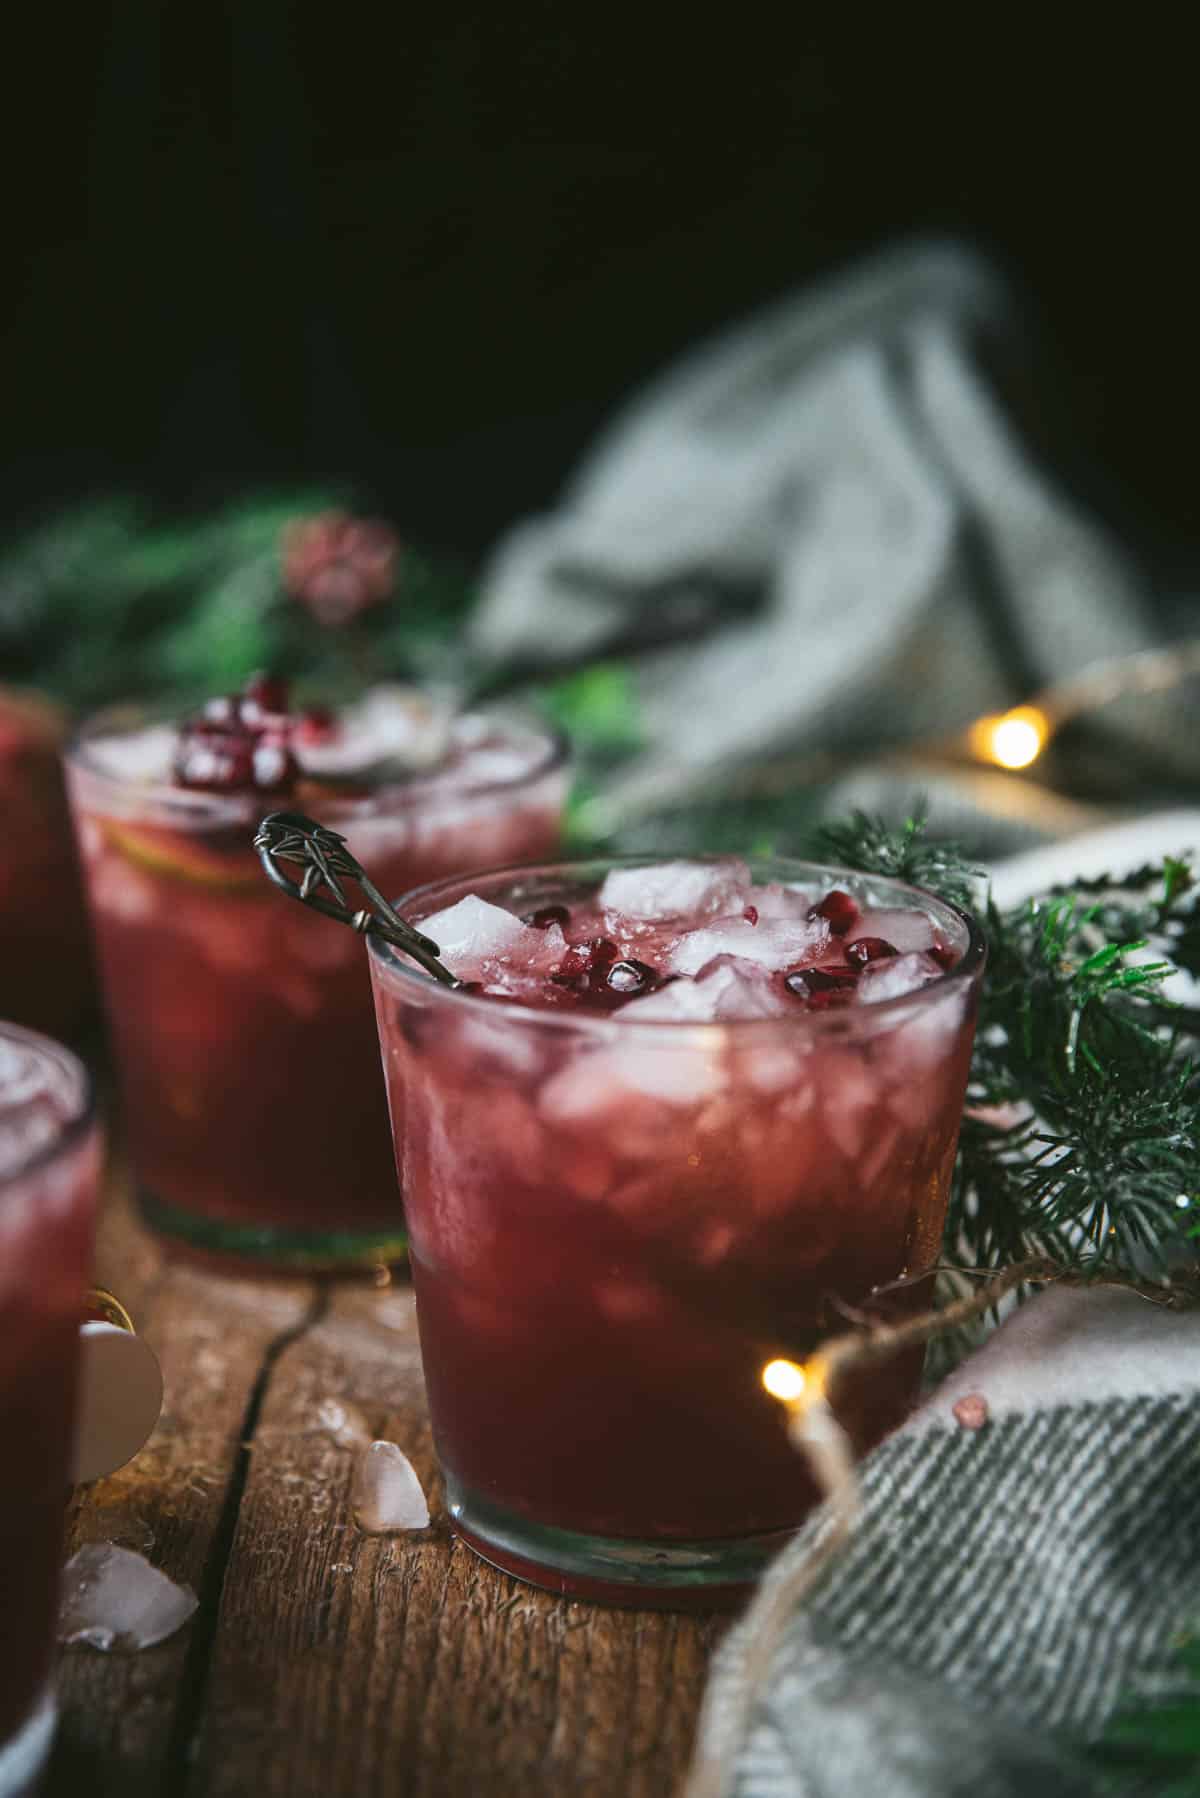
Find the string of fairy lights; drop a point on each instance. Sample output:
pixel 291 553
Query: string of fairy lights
pixel 1015 739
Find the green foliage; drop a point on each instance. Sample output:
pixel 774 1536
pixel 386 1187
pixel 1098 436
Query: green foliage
pixel 1082 1138
pixel 908 854
pixel 598 707
pixel 1156 1746
pixel 108 601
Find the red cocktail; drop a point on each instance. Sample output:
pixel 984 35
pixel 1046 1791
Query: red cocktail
pixel 49 1165
pixel 247 1055
pixel 45 961
pixel 678 1116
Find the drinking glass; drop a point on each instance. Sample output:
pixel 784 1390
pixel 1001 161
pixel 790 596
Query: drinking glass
pixel 49 1169
pixel 245 1048
pixel 614 1224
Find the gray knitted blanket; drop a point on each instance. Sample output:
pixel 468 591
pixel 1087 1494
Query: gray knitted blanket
pixel 1007 1589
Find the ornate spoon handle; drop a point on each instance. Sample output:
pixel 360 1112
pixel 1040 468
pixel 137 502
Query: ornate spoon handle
pixel 326 862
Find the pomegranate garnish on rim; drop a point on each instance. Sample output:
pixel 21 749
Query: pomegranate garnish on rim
pixel 239 742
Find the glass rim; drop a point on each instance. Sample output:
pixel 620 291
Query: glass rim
pixel 73 1129
pixel 383 801
pixel 841 1022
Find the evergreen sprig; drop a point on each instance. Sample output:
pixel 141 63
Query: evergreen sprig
pixel 109 600
pixel 1082 1135
pixel 909 854
pixel 1155 1746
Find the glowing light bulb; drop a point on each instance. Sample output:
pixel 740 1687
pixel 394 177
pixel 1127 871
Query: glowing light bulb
pixel 1013 740
pixel 784 1380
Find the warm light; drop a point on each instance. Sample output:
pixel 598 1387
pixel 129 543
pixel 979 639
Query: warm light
pixel 1012 741
pixel 784 1380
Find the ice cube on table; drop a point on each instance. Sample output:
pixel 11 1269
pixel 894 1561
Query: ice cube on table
pixel 895 976
pixel 473 932
pixel 676 890
pixel 906 931
pixel 773 943
pixel 388 1496
pixel 113 1598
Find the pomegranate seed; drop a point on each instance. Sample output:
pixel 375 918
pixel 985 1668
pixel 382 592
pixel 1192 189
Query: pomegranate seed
pixel 212 757
pixel 944 955
pixel 266 693
pixel 223 712
pixel 804 982
pixel 751 914
pixel 573 968
pixel 830 1001
pixel 316 724
pixel 868 948
pixel 547 915
pixel 274 765
pixel 629 977
pixel 838 910
pixel 602 951
pixel 210 760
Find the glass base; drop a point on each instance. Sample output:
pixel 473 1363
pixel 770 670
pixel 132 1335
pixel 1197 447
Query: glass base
pixel 267 1247
pixel 23 1757
pixel 660 1575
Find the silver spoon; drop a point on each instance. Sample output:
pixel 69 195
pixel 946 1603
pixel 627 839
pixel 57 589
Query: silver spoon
pixel 326 861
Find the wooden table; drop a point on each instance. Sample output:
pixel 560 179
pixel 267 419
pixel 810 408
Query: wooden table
pixel 322 1660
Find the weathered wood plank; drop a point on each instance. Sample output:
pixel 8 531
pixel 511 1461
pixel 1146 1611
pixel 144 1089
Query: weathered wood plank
pixel 384 1667
pixel 124 1716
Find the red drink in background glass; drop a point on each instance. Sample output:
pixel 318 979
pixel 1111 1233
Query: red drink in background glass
pixel 46 977
pixel 660 1164
pixel 49 1168
pixel 243 1031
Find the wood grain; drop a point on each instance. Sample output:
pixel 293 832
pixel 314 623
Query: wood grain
pixel 381 1666
pixel 120 1712
pixel 323 1660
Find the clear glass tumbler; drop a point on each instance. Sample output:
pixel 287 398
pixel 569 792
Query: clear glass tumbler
pixel 49 1172
pixel 245 1048
pixel 614 1225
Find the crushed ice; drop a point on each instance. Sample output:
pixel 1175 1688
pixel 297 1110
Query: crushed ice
pixel 776 943
pixel 907 931
pixel 893 978
pixel 387 1494
pixel 676 889
pixel 473 932
pixel 113 1598
pixel 726 988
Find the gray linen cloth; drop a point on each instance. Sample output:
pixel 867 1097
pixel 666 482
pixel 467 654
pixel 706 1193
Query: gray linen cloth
pixel 1007 1588
pixel 830 515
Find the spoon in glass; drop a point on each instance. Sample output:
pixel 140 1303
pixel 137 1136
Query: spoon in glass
pixel 325 860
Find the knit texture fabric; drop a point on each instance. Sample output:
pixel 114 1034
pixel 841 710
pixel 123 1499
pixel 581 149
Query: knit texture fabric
pixel 1007 1589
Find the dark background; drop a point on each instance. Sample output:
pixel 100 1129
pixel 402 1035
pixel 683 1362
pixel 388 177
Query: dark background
pixel 259 241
